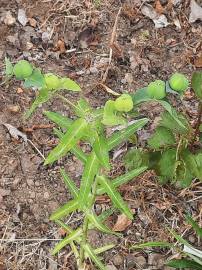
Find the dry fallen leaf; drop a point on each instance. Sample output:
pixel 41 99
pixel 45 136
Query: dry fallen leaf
pixel 158 7
pixel 196 12
pixel 22 18
pixel 9 19
pixel 122 223
pixel 159 20
pixel 15 133
pixel 60 46
pixel 32 22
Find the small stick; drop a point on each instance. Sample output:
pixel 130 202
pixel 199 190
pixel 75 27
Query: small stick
pixel 113 36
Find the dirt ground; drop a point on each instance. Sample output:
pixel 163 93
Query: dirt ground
pixel 71 38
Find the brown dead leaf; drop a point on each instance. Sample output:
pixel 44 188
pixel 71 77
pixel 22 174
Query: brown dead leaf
pixel 159 8
pixel 122 223
pixel 198 62
pixel 32 22
pixel 60 46
pixel 129 12
pixel 19 90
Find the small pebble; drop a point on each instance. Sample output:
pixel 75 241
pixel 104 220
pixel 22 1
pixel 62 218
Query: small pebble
pixel 32 195
pixel 118 260
pixel 46 195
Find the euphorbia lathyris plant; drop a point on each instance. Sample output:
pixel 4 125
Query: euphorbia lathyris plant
pixel 89 126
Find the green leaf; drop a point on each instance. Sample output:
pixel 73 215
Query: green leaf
pixel 103 249
pixel 98 224
pixel 136 158
pixel 141 95
pixel 35 80
pixel 162 137
pixel 70 184
pixel 43 96
pixel 100 148
pixel 64 210
pixel 58 119
pixel 69 84
pixel 123 179
pixel 196 83
pixel 169 122
pixel 179 238
pixel 82 108
pixel 115 196
pixel 74 235
pixel 89 250
pixel 166 166
pixel 184 264
pixel 75 150
pixel 125 134
pixel 173 113
pixel 152 244
pixel 194 225
pixel 69 140
pixel 9 67
pixel 193 163
pixel 90 170
pixel 109 117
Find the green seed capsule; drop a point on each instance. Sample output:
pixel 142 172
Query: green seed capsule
pixel 22 69
pixel 157 89
pixel 52 81
pixel 124 103
pixel 178 82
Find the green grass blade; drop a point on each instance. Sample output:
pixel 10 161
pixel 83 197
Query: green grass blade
pixel 74 235
pixel 69 184
pixel 123 179
pixel 65 210
pixel 152 244
pixel 115 196
pixel 125 134
pixel 179 238
pixel 89 250
pixel 69 140
pixel 90 170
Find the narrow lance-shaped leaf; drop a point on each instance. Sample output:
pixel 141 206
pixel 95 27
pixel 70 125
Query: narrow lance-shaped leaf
pixel 75 150
pixel 65 210
pixel 70 184
pixel 58 119
pixel 43 96
pixel 89 250
pixel 196 83
pixel 101 150
pixel 184 264
pixel 152 244
pixel 125 134
pixel 115 196
pixel 68 141
pixel 194 225
pixel 74 235
pixel 98 224
pixel 90 170
pixel 123 179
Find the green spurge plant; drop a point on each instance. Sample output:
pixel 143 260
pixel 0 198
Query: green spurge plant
pixel 89 126
pixel 169 150
pixel 190 257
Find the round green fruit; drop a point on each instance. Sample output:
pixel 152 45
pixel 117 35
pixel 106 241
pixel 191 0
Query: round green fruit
pixel 22 69
pixel 178 82
pixel 124 103
pixel 52 81
pixel 157 89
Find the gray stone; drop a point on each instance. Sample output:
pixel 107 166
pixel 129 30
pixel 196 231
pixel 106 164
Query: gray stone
pixel 118 260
